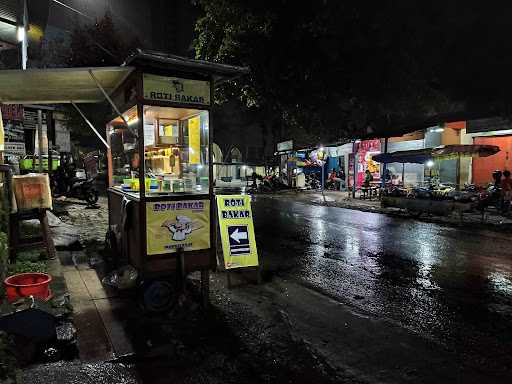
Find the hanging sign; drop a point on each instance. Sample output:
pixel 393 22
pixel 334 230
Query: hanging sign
pixel 175 89
pixel 237 231
pixel 173 225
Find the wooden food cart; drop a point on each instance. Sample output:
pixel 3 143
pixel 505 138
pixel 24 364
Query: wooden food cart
pixel 160 171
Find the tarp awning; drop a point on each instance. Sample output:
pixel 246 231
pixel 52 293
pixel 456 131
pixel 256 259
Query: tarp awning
pixel 416 156
pixel 59 85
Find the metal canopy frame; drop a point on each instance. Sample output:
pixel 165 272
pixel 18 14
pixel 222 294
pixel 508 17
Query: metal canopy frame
pixel 44 81
pixel 96 84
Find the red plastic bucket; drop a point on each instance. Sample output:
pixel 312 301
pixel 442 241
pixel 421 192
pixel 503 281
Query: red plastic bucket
pixel 28 284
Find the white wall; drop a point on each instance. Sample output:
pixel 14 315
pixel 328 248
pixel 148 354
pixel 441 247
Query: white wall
pixel 413 172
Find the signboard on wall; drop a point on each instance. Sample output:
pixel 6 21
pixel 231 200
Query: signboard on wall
pixel 16 149
pixel 13 112
pixel 365 151
pixel 174 225
pixel 175 89
pixel 237 231
pixel 285 146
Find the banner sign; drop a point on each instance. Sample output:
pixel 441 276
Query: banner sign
pixel 285 146
pixel 237 231
pixel 174 89
pixel 17 149
pixel 194 139
pixel 172 225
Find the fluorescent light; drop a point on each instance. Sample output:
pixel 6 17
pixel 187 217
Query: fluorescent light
pixel 430 163
pixel 133 121
pixel 20 33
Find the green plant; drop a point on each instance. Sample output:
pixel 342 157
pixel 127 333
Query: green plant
pixel 27 266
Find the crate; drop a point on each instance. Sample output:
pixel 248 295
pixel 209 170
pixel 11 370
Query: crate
pixel 32 191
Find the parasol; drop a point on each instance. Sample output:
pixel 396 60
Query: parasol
pixel 447 152
pixel 443 152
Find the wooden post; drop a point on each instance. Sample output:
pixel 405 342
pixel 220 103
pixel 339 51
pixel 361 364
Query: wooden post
pixel 40 138
pixel 385 165
pixel 457 173
pixel 47 237
pixel 205 287
pixel 354 168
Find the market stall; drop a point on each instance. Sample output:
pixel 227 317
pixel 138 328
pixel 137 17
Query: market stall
pixel 432 197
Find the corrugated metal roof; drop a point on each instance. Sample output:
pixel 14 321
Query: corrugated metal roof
pixel 9 10
pixel 220 72
pixel 59 85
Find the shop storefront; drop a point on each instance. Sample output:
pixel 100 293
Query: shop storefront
pixel 365 150
pixel 491 131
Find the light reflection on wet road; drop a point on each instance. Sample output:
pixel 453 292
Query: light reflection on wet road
pixel 452 284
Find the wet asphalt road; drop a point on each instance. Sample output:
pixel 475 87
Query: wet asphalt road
pixel 453 285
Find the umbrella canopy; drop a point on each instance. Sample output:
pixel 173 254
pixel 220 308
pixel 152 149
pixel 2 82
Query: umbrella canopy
pixel 443 152
pixel 446 152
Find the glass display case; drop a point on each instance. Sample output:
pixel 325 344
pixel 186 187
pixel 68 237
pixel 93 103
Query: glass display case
pixel 175 147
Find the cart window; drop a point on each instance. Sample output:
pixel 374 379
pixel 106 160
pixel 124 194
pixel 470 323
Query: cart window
pixel 124 146
pixel 176 150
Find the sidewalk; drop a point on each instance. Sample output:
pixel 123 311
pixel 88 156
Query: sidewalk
pixel 344 200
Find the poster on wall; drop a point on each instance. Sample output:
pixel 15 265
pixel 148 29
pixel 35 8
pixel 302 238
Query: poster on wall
pixel 365 152
pixel 173 225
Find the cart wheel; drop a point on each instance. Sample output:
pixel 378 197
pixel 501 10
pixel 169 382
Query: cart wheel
pixel 159 296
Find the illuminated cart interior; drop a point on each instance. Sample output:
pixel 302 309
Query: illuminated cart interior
pixel 160 195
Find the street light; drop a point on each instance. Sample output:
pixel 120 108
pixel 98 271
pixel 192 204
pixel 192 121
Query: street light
pixel 321 149
pixel 430 164
pixel 20 33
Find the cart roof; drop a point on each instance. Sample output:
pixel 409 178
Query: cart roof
pixel 219 72
pixel 65 85
pixel 59 85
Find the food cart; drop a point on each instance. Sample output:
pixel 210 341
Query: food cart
pixel 160 170
pixel 159 145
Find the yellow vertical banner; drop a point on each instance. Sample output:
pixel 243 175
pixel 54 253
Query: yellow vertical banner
pixel 194 139
pixel 2 140
pixel 237 231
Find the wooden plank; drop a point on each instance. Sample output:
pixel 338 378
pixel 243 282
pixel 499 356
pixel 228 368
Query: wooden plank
pixel 93 342
pixel 94 286
pixel 112 312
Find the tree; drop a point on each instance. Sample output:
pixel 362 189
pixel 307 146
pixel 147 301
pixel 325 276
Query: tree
pixel 328 69
pixel 98 44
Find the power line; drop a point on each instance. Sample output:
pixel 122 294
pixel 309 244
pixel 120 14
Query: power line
pixel 73 9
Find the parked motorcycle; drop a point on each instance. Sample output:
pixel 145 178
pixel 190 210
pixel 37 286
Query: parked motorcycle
pixel 312 182
pixel 490 197
pixel 68 181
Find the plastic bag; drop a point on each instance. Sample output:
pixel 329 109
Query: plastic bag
pixel 122 278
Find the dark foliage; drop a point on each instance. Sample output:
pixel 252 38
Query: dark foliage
pixel 331 69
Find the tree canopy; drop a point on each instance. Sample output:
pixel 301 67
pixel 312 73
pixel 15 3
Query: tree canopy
pixel 329 69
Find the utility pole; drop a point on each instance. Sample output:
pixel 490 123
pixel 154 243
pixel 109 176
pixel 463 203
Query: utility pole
pixel 22 34
pixel 40 138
